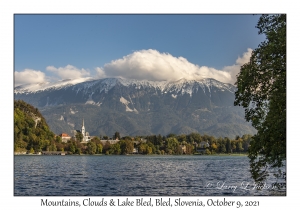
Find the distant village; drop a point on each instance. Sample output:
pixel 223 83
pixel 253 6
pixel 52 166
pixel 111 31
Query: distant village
pixel 86 138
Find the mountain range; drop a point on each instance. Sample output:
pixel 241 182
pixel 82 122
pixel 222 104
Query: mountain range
pixel 138 107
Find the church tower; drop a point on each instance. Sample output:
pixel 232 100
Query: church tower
pixel 83 129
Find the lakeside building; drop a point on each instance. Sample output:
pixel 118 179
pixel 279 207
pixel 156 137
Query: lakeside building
pixel 110 141
pixel 204 144
pixel 65 137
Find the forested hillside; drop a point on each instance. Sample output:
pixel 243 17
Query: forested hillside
pixel 31 131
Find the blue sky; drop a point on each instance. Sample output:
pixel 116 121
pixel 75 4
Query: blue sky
pixel 84 44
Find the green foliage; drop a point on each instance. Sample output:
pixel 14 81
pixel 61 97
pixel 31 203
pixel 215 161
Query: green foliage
pixel 51 147
pixel 172 145
pixel 31 151
pixel 30 128
pixel 147 148
pixel 189 149
pixel 207 152
pixel 99 148
pixel 126 146
pixel 72 148
pixel 58 139
pixel 115 149
pixel 91 148
pixel 239 147
pixel 106 147
pixel 228 145
pixel 222 148
pixel 31 132
pixel 79 136
pixel 262 92
pixel 142 148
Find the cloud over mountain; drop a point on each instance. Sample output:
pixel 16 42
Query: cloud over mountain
pixel 141 65
pixel 235 69
pixel 68 72
pixel 29 76
pixel 153 65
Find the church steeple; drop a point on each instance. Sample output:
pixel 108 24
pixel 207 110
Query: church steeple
pixel 83 129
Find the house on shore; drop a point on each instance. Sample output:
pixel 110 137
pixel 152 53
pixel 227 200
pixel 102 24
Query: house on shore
pixel 114 141
pixel 202 146
pixel 65 137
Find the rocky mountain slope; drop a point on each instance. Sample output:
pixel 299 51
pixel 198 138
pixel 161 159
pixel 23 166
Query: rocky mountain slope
pixel 134 107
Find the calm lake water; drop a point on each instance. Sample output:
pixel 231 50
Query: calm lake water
pixel 135 175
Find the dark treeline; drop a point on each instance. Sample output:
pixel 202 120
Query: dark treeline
pixel 171 144
pixel 196 143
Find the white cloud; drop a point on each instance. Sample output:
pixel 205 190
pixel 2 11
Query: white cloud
pixel 144 64
pixel 29 76
pixel 153 65
pixel 246 57
pixel 235 69
pixel 100 73
pixel 68 72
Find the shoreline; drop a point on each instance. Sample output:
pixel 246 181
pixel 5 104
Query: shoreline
pixel 232 154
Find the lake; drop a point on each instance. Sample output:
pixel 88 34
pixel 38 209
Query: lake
pixel 135 175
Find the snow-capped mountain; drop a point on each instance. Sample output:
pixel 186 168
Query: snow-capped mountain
pixel 31 88
pixel 182 85
pixel 135 107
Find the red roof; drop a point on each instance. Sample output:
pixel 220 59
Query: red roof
pixel 64 135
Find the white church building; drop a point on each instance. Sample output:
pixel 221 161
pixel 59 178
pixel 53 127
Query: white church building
pixel 86 135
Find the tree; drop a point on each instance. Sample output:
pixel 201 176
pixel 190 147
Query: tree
pixel 117 135
pixel 72 148
pixel 79 136
pixel 106 146
pixel 92 148
pixel 261 90
pixel 31 151
pixel 222 148
pixel 159 140
pixel 115 149
pixel 78 151
pixel 99 148
pixel 172 145
pixel 52 147
pixel 214 147
pixel 240 146
pixel 58 139
pixel 148 150
pixel 228 145
pixel 207 152
pixel 189 149
pixel 142 148
pixel 126 146
pixel 153 149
